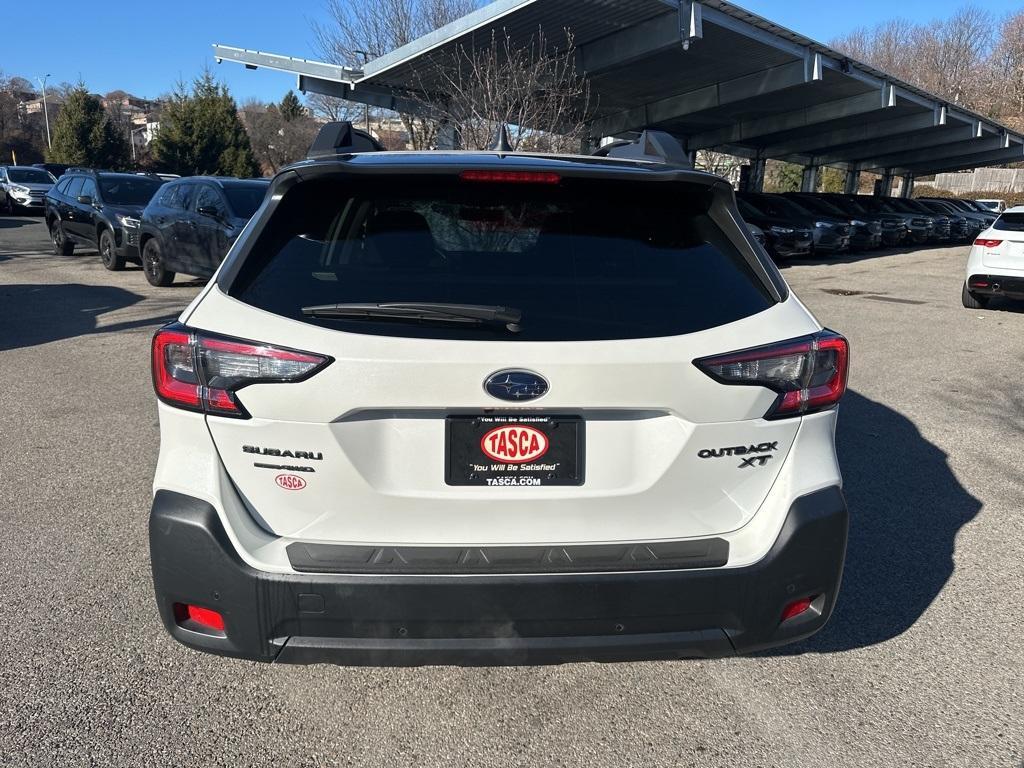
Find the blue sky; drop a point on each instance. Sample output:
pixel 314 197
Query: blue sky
pixel 144 47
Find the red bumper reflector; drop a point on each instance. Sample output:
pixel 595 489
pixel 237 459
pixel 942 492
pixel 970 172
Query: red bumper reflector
pixel 204 617
pixel 797 607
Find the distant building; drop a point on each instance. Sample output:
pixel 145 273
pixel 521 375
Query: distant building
pixel 34 105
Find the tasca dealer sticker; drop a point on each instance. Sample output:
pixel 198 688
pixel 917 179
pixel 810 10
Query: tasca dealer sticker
pixel 290 482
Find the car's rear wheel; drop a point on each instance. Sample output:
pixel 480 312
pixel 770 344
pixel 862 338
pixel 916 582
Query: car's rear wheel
pixel 108 254
pixel 153 265
pixel 61 245
pixel 973 300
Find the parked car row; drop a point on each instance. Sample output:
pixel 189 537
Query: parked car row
pixel 803 224
pixel 165 223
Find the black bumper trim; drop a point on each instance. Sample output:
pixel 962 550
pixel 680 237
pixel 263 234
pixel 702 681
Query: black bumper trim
pixel 667 555
pixel 508 650
pixel 998 285
pixel 402 619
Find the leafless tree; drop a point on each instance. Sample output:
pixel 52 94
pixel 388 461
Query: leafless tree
pixel 952 55
pixel 718 163
pixel 356 32
pixel 275 140
pixel 889 46
pixel 332 108
pixel 948 57
pixel 534 88
pixel 1007 72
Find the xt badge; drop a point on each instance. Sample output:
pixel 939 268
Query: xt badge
pixel 755 461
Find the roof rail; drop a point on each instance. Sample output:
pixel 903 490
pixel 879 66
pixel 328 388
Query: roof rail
pixel 340 138
pixel 657 146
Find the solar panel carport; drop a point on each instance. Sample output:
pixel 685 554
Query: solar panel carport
pixel 710 73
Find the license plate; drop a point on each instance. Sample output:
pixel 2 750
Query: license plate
pixel 514 451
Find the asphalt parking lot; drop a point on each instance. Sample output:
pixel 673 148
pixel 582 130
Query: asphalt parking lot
pixel 922 664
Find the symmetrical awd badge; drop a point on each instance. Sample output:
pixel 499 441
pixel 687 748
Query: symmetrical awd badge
pixel 516 385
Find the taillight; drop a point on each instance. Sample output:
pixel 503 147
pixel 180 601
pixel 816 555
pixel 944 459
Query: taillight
pixel 199 372
pixel 511 177
pixel 988 243
pixel 809 373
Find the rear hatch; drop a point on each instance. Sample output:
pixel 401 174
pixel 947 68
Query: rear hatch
pixel 584 420
pixel 1009 254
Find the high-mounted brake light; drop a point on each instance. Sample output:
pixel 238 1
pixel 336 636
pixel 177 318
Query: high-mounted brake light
pixel 511 177
pixel 201 373
pixel 809 373
pixel 988 243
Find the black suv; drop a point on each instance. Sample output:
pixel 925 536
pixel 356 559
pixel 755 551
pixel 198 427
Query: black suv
pixel 192 223
pixel 99 209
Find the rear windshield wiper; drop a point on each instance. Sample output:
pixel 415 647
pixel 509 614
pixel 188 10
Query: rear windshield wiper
pixel 472 314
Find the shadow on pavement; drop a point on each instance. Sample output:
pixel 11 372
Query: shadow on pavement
pixel 8 222
pixel 906 508
pixel 1002 304
pixel 38 314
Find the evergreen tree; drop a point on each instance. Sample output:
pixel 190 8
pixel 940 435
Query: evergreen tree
pixel 290 107
pixel 201 134
pixel 83 134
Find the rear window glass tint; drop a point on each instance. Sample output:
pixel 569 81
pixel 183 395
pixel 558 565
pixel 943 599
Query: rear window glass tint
pixel 245 200
pixel 583 260
pixel 1010 222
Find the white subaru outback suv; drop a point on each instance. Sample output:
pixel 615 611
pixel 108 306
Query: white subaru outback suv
pixel 495 408
pixel 995 266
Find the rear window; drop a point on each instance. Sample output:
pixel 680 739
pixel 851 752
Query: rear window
pixel 1010 222
pixel 245 200
pixel 582 260
pixel 29 176
pixel 128 190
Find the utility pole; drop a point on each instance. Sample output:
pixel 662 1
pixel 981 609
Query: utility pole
pixel 46 114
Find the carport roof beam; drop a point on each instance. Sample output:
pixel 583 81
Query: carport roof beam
pixel 943 152
pixel 1012 154
pixel 706 70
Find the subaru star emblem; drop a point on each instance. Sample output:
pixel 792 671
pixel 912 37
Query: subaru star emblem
pixel 516 385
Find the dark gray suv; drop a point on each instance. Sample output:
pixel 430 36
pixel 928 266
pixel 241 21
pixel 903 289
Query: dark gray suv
pixel 192 223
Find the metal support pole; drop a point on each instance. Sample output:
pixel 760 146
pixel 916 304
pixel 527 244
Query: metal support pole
pixel 366 107
pixel 756 180
pixel 884 186
pixel 46 113
pixel 809 181
pixel 852 185
pixel 907 190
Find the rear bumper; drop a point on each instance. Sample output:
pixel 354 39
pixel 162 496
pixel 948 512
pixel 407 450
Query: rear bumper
pixel 997 285
pixel 397 619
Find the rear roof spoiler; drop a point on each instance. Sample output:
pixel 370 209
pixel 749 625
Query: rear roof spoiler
pixel 340 138
pixel 657 146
